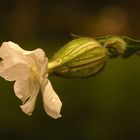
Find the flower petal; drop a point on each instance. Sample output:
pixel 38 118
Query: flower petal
pixel 51 101
pixel 12 71
pixel 18 63
pixel 38 54
pixel 10 49
pixel 22 89
pixel 13 66
pixel 29 105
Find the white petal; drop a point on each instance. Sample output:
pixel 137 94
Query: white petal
pixel 15 47
pixel 10 49
pixel 37 54
pixel 13 66
pixel 12 71
pixel 18 63
pixel 28 107
pixel 51 101
pixel 38 61
pixel 23 89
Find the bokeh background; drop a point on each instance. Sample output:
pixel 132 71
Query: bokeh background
pixel 104 107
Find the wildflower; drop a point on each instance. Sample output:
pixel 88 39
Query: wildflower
pixel 29 71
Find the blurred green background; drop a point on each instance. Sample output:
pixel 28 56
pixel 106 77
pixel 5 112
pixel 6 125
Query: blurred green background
pixel 104 107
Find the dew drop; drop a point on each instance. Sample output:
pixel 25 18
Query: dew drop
pixel 58 101
pixel 52 99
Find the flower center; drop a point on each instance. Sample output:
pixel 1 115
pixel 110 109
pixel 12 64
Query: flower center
pixel 35 73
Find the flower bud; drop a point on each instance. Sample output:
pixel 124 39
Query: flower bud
pixel 115 46
pixel 80 58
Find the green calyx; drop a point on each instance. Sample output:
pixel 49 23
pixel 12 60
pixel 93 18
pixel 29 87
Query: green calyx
pixel 79 58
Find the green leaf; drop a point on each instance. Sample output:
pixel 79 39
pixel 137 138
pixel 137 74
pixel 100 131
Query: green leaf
pixel 133 46
pixel 74 36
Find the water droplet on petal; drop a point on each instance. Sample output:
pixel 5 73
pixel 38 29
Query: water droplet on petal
pixel 52 99
pixel 58 101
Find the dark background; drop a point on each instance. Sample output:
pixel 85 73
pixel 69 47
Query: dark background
pixel 104 107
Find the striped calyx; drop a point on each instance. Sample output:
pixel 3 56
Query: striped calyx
pixel 80 58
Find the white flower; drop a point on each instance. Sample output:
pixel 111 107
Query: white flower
pixel 29 70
